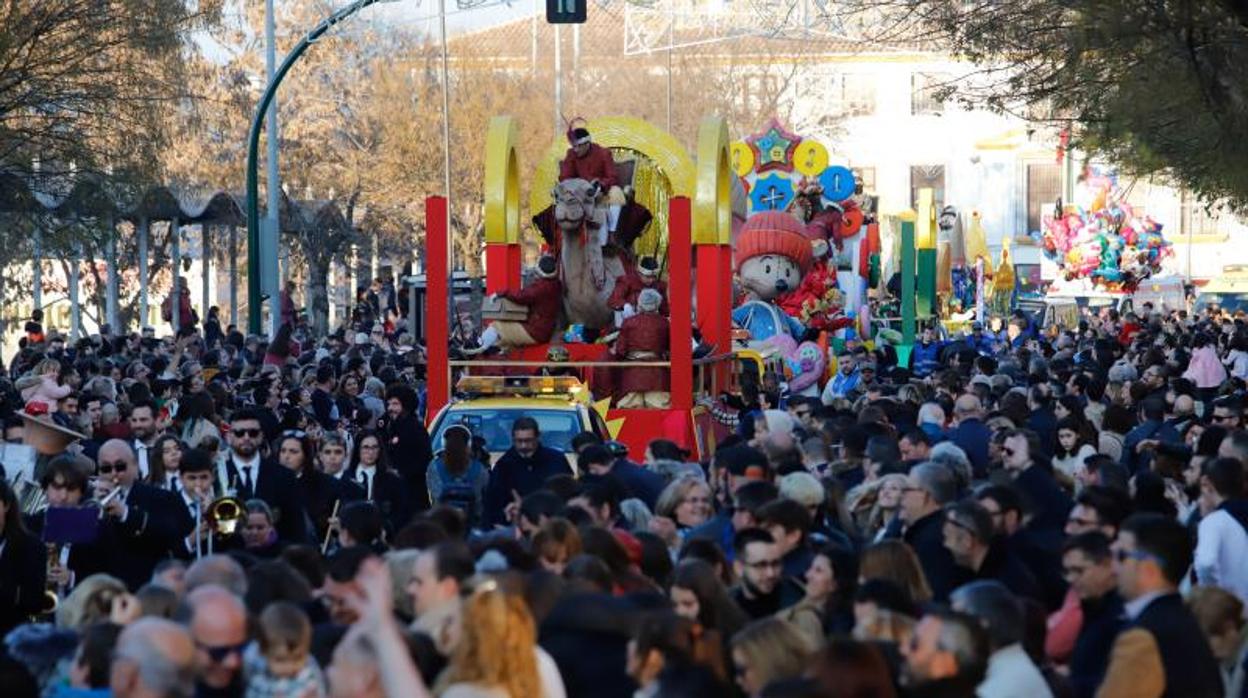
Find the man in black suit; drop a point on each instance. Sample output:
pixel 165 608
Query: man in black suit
pixel 142 524
pixel 143 426
pixel 1088 564
pixel 929 487
pixel 1033 477
pixel 252 476
pixel 407 443
pixel 1162 651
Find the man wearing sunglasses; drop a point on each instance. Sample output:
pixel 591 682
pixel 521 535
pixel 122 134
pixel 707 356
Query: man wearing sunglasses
pixel 1163 651
pixel 1050 505
pixel 250 475
pixel 142 524
pixel 218 625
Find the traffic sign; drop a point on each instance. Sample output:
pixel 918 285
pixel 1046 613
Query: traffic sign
pixel 566 11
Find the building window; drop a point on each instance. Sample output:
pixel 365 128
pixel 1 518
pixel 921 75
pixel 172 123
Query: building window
pixel 1044 185
pixel 1197 218
pixel 924 100
pixel 760 91
pixel 865 176
pixel 927 177
pixel 857 95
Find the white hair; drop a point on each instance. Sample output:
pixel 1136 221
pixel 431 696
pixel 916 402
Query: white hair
pixel 931 413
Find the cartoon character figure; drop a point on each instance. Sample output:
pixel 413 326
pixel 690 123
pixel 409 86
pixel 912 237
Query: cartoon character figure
pixel 805 364
pixel 772 256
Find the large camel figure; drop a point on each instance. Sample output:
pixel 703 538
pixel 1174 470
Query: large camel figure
pixel 588 278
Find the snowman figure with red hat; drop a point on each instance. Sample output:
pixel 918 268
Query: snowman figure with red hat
pixel 772 255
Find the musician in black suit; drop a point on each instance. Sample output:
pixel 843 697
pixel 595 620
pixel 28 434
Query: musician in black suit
pixel 142 524
pixel 64 484
pixel 253 476
pixel 23 565
pixel 195 492
pixel 371 471
pixel 320 492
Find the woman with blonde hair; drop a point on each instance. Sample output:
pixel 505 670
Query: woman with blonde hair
pixel 682 506
pixel 497 655
pixel 894 561
pixel 874 504
pixel 768 650
pixel 92 601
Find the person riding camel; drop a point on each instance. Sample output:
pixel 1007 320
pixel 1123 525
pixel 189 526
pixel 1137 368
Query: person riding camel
pixel 623 298
pixel 593 163
pixel 645 336
pixel 543 298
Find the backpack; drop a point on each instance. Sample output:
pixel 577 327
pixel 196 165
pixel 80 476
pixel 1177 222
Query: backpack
pixel 460 491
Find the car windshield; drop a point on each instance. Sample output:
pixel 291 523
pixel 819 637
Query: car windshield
pixel 494 425
pixel 1230 302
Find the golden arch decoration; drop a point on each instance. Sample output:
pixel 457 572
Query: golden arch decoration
pixel 502 182
pixel 712 207
pixel 664 169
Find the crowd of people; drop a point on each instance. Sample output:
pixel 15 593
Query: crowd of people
pixel 1019 512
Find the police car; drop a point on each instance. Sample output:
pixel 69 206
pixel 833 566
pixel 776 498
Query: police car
pixel 489 405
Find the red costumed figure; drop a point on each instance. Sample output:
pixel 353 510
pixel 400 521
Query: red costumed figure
pixel 623 298
pixel 645 336
pixel 593 163
pixel 543 298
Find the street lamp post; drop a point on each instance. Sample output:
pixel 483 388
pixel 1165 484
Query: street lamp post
pixel 253 146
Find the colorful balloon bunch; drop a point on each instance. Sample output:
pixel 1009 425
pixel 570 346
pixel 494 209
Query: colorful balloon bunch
pixel 1109 245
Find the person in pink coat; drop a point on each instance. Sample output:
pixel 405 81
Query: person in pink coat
pixel 41 385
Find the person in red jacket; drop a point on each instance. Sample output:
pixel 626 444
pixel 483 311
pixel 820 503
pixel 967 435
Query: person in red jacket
pixel 543 298
pixel 593 163
pixel 645 337
pixel 623 298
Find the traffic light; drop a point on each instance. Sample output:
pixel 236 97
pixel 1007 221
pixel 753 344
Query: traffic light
pixel 566 11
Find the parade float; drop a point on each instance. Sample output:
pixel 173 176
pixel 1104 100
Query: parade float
pixel 679 210
pixel 806 251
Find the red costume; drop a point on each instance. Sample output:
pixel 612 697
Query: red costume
pixel 544 299
pixel 629 286
pixel 596 166
pixel 642 334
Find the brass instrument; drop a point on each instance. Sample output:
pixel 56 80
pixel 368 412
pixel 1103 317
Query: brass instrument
pixel 224 514
pixel 31 498
pixel 52 590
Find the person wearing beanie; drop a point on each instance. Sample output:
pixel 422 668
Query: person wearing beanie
pixel 593 163
pixel 543 298
pixel 623 298
pixel 645 336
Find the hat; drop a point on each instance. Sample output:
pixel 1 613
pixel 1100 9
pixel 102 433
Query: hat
pixel 648 266
pixel 547 267
pixel 982 380
pixel 459 427
pixel 362 338
pixel 977 326
pixel 649 300
pixel 578 135
pixel 773 232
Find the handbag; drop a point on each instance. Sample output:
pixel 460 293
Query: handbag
pixel 499 308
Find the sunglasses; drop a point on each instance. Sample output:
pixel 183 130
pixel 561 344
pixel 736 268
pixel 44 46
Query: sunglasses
pixel 253 433
pixel 110 468
pixel 1137 555
pixel 219 653
pixel 1008 451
